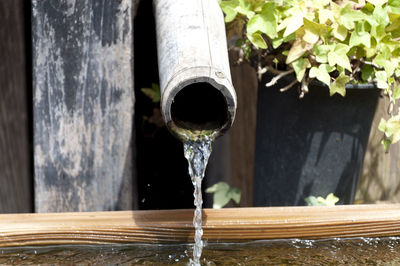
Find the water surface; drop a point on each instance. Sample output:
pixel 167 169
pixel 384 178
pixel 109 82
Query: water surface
pixel 359 251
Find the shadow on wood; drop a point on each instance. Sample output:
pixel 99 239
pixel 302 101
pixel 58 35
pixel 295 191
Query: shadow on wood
pixel 15 151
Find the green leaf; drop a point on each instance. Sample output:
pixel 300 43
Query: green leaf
pixel 382 125
pixel 394 28
pixel 312 201
pixel 396 91
pixel 229 8
pixel 257 40
pixel 244 8
pixel 378 32
pixel 265 22
pixel 223 193
pixel 338 55
pixel 324 15
pixel 339 85
pixel 391 43
pixel 367 73
pixel 377 2
pixel 394 6
pixel 278 41
pixel 348 16
pixel 313 31
pixel 396 131
pixel 380 15
pixel 339 32
pixel 386 144
pixel 153 93
pixel 382 57
pixel 234 194
pixel 336 9
pixel 299 47
pixel 300 66
pixel 391 128
pixel 330 200
pixel 322 73
pixel 293 23
pixel 321 53
pixel 381 78
pixel 370 52
pixel 385 60
pixel 360 37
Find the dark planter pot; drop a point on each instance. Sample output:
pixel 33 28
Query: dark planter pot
pixel 311 146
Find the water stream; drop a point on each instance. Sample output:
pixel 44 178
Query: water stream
pixel 197 151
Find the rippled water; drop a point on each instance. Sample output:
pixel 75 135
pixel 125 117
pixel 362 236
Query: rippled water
pixel 360 251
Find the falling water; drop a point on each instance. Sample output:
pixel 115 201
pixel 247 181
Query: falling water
pixel 197 151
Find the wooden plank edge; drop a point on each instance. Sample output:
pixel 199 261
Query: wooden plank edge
pixel 175 226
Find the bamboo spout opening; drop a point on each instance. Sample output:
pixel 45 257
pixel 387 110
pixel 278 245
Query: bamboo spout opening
pixel 200 106
pixel 195 81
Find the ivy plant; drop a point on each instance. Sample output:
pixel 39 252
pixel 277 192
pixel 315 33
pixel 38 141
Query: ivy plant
pixel 334 42
pixel 223 193
pixel 330 200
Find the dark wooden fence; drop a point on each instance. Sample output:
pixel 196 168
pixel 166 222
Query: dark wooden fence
pixel 15 160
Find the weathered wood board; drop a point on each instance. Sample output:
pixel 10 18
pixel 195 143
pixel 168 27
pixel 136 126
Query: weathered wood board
pixel 380 176
pixel 232 159
pixel 83 105
pixel 175 226
pixel 15 166
pixel 243 131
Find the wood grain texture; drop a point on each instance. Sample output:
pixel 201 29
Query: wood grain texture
pixel 169 226
pixel 232 159
pixel 243 131
pixel 83 105
pixel 15 172
pixel 380 177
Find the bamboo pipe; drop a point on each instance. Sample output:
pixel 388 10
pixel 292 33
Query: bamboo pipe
pixel 175 226
pixel 195 80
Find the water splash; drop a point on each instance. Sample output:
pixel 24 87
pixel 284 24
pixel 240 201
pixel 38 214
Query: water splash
pixel 197 152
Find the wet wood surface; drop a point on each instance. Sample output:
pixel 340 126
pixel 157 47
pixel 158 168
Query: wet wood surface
pixel 83 105
pixel 172 226
pixel 15 152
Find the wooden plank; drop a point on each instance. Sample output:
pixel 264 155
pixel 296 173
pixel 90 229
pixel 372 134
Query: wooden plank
pixel 83 105
pixel 243 131
pixel 380 177
pixel 232 159
pixel 169 226
pixel 15 166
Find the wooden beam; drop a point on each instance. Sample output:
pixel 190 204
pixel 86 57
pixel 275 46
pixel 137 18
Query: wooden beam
pixel 243 131
pixel 15 153
pixel 380 177
pixel 83 105
pixel 232 159
pixel 172 226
